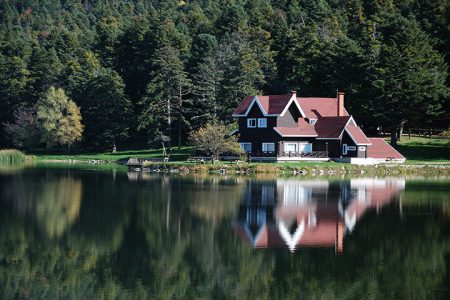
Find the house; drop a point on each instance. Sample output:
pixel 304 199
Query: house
pixel 294 214
pixel 291 128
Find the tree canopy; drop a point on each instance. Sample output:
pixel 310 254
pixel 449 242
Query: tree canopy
pixel 120 60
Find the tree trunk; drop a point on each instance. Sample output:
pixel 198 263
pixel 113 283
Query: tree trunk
pixel 169 125
pixel 394 136
pixel 180 117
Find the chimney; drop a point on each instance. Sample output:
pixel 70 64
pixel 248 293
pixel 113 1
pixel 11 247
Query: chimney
pixel 340 104
pixel 294 93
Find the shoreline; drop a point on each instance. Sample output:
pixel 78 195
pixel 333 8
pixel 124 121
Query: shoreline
pixel 304 168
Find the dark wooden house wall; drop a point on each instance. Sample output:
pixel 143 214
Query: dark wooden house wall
pixel 257 136
pixel 346 139
pixel 333 147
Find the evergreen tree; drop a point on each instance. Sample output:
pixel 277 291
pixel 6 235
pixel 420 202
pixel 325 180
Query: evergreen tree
pixel 106 110
pixel 409 78
pixel 164 101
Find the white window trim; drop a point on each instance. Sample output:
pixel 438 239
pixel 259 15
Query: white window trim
pixel 296 147
pixel 265 122
pixel 245 143
pixel 361 148
pixel 351 148
pixel 344 149
pixel 266 144
pixel 312 121
pixel 248 122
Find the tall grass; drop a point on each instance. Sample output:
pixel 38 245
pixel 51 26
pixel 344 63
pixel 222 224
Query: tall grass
pixel 11 156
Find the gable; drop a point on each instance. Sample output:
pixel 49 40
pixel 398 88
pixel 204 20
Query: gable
pixel 270 105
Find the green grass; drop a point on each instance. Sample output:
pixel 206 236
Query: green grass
pixel 417 150
pixel 425 150
pixel 120 156
pixel 11 156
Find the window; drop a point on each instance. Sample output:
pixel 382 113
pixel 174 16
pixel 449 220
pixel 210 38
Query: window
pixel 247 147
pixel 268 147
pixel 351 148
pixel 312 121
pixel 251 123
pixel 262 122
pixel 305 148
pixel 290 148
pixel 344 149
pixel 362 148
pixel 267 195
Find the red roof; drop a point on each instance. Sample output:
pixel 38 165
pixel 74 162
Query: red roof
pixel 303 129
pixel 357 134
pixel 271 104
pixel 381 149
pixel 330 127
pixel 319 107
pixel 242 108
pixel 313 107
pixel 274 104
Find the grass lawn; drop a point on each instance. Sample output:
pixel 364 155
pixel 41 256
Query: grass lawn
pixel 120 156
pixel 417 150
pixel 424 150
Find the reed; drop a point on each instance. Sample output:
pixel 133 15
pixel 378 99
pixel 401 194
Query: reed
pixel 12 156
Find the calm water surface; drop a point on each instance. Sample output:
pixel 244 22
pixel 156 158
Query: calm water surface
pixel 71 233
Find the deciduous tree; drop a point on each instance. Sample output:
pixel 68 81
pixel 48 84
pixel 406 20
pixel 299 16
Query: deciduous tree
pixel 214 139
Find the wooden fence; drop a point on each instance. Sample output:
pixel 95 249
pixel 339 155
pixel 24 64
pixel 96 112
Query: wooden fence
pixel 423 132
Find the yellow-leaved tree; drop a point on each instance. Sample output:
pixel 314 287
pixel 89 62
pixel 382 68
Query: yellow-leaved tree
pixel 59 119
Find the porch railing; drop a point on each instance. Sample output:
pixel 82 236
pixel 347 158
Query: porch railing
pixel 313 154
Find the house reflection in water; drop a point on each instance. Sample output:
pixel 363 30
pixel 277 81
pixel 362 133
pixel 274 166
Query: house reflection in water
pixel 315 213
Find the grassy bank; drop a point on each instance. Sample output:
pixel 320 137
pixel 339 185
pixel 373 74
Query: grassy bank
pixel 304 168
pixel 420 150
pixel 119 157
pixel 11 156
pixel 424 156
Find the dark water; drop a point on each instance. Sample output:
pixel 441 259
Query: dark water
pixel 105 234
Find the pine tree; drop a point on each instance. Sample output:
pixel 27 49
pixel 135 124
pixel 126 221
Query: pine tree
pixel 106 110
pixel 409 78
pixel 164 101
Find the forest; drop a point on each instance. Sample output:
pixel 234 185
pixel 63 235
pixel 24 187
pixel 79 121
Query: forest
pixel 100 73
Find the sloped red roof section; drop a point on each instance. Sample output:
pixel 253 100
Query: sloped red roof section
pixel 272 104
pixel 275 103
pixel 319 107
pixel 330 127
pixel 303 129
pixel 242 108
pixel 358 135
pixel 381 149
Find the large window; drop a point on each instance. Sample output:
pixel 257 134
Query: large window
pixel 251 123
pixel 247 147
pixel 305 148
pixel 262 122
pixel 268 147
pixel 290 147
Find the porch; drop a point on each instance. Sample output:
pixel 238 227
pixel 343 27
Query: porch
pixel 283 156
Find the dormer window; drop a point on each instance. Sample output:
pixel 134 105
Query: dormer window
pixel 312 121
pixel 251 123
pixel 262 122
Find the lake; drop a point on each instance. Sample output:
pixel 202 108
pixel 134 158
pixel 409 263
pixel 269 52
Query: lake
pixel 89 233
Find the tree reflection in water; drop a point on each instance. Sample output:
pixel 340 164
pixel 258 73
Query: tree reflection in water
pixel 91 234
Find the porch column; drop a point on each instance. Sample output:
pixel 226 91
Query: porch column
pixel 280 148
